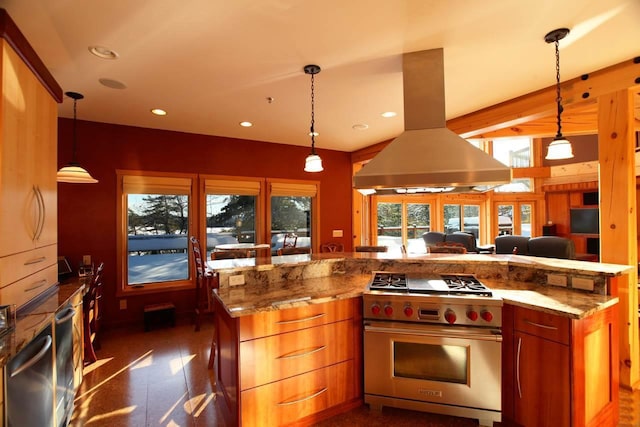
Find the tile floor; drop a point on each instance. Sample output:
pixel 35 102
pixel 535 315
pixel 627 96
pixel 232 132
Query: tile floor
pixel 160 378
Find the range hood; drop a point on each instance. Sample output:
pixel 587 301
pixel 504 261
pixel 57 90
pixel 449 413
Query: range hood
pixel 428 157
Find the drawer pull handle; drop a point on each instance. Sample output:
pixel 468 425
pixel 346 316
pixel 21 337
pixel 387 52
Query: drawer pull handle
pixel 35 359
pixel 518 367
pixel 35 260
pixel 37 285
pixel 293 402
pixel 541 326
pixel 305 319
pixel 296 354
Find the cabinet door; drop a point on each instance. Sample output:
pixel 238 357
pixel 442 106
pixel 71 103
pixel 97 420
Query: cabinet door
pixel 542 384
pixel 28 203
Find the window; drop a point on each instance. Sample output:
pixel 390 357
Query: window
pixel 402 222
pixel 292 213
pixel 470 223
pixel 513 152
pixel 233 211
pixel 515 218
pixel 154 223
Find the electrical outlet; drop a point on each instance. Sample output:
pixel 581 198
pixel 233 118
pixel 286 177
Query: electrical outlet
pixel 337 233
pixel 123 304
pixel 582 283
pixel 237 279
pixel 557 280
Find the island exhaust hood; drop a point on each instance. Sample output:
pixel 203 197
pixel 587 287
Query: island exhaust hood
pixel 428 157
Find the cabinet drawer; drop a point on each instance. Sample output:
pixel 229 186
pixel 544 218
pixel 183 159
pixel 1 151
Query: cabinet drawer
pixel 543 325
pixel 286 401
pixel 273 358
pixel 15 267
pixel 24 290
pixel 275 322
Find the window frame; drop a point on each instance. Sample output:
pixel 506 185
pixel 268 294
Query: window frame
pixel 296 187
pixel 124 289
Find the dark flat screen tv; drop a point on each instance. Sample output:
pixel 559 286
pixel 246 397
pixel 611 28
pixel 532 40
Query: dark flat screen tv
pixel 585 221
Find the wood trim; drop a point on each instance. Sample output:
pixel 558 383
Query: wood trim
pixel 12 34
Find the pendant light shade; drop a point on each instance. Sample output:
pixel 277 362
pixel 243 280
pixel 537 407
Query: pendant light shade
pixel 313 163
pixel 560 148
pixel 73 172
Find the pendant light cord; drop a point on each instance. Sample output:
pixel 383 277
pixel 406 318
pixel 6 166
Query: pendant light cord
pixel 313 140
pixel 558 96
pixel 73 156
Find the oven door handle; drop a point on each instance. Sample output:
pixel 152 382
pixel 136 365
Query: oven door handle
pixel 493 335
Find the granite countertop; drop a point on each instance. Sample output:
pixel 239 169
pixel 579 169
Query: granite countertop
pixel 249 299
pixel 34 317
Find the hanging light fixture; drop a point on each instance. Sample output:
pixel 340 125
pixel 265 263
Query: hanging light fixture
pixel 73 172
pixel 313 163
pixel 560 147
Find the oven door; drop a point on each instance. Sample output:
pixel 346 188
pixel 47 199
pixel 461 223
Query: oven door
pixel 453 365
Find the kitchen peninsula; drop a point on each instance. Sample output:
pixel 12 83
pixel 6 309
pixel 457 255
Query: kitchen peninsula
pixel 294 325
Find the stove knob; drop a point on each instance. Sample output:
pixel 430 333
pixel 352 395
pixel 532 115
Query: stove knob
pixel 408 311
pixel 375 309
pixel 472 315
pixel 450 317
pixel 388 310
pixel 486 315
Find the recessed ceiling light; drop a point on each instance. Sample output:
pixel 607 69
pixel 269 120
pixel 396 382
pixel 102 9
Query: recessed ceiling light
pixel 246 124
pixel 389 114
pixel 159 112
pixel 103 52
pixel 113 84
pixel 360 126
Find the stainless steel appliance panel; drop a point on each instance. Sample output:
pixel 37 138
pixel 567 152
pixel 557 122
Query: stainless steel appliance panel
pixel 445 365
pixel 64 364
pixel 29 382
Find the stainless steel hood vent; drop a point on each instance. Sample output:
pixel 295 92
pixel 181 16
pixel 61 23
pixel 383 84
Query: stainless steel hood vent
pixel 428 157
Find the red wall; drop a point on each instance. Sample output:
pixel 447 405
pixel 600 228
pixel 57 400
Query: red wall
pixel 87 212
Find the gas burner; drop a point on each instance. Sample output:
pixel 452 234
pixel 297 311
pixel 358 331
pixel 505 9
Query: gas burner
pixel 465 283
pixel 383 280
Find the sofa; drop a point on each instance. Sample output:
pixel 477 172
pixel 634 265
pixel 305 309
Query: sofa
pixel 543 246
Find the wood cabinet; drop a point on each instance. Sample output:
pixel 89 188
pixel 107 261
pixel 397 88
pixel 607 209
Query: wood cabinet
pixel 559 371
pixel 28 162
pixel 289 366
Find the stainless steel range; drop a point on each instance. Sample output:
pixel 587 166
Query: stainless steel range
pixel 433 343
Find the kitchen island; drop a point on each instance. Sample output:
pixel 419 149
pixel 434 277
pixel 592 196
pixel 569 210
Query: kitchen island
pixel 325 291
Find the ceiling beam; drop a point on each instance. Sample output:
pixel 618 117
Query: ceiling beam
pixel 540 104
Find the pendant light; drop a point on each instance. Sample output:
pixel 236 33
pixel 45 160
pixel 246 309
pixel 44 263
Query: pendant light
pixel 73 172
pixel 560 147
pixel 313 163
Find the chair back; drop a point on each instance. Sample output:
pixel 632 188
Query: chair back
pixel 432 238
pixel 371 248
pixel 197 257
pixel 332 247
pixel 509 244
pixel 290 240
pixel 294 251
pixel 468 240
pixel 552 247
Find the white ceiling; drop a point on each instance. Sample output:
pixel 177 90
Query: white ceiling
pixel 214 63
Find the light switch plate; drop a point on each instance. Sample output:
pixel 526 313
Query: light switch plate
pixel 123 304
pixel 582 283
pixel 237 279
pixel 337 233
